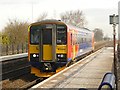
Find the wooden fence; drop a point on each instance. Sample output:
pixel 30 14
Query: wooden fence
pixel 13 49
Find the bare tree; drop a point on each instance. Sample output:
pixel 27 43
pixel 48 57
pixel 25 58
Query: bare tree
pixel 16 31
pixel 75 18
pixel 98 34
pixel 106 37
pixel 42 17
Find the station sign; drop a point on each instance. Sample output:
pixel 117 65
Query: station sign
pixel 114 19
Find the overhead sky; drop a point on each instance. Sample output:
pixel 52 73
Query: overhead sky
pixel 96 12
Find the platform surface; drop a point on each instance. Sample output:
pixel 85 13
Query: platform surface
pixel 87 73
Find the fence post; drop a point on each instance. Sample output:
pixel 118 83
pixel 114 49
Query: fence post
pixel 26 47
pixel 22 48
pixel 18 49
pixel 0 50
pixel 12 49
pixel 6 49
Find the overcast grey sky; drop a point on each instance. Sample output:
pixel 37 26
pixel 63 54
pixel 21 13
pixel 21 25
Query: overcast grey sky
pixel 96 11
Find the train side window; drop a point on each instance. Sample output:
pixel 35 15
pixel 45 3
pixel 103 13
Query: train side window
pixel 81 40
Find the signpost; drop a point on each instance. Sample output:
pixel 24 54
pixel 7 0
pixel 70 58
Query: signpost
pixel 114 20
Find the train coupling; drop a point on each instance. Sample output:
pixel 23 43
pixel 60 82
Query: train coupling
pixel 48 66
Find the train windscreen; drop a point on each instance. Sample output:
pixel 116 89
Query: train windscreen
pixel 61 34
pixel 34 34
pixel 46 34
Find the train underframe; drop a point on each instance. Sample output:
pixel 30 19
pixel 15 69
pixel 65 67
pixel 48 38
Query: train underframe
pixel 49 66
pixel 47 69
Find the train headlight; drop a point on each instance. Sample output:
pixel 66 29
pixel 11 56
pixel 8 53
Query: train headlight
pixel 34 55
pixel 59 55
pixel 62 55
pixel 37 55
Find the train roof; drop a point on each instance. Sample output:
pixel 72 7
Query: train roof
pixel 48 21
pixel 60 22
pixel 71 26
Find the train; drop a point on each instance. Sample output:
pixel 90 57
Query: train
pixel 52 44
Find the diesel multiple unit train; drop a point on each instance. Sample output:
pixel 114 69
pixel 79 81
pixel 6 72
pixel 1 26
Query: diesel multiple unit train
pixel 53 44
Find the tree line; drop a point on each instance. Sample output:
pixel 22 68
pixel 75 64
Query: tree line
pixel 15 31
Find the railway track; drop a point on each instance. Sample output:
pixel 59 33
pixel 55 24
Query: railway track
pixel 16 73
pixel 24 82
pixel 13 68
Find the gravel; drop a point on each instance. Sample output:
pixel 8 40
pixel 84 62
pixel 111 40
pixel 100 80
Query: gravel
pixel 17 83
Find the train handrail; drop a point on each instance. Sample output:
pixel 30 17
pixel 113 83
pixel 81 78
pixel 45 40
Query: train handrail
pixel 108 80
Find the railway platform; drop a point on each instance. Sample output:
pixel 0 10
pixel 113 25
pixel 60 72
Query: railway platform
pixel 86 73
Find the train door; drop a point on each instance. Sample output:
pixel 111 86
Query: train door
pixel 73 45
pixel 47 47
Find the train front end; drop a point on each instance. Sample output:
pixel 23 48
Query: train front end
pixel 47 47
